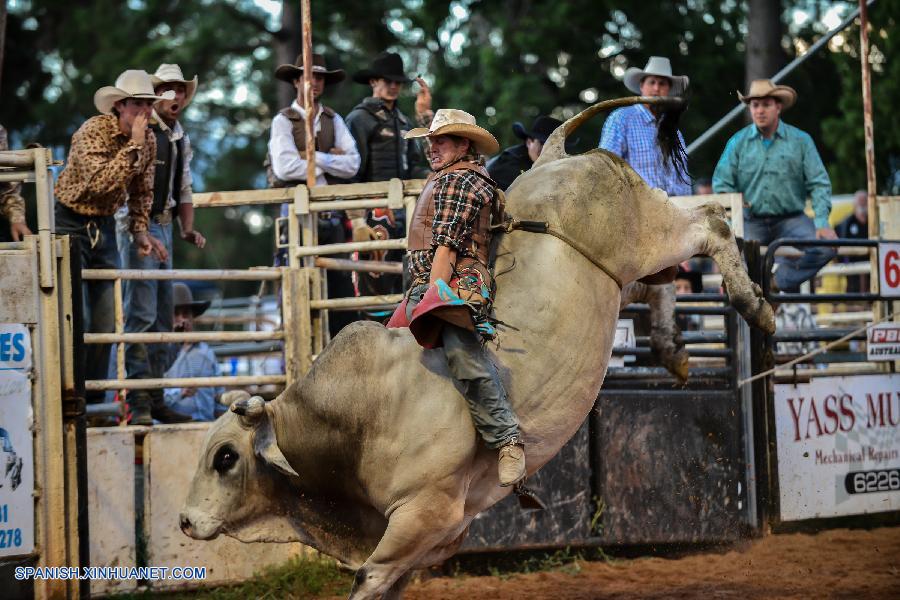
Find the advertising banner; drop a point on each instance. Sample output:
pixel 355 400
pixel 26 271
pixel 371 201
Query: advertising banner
pixel 838 443
pixel 16 442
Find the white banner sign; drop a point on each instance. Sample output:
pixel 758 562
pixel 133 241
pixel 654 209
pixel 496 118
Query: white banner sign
pixel 838 446
pixel 16 444
pixel 883 342
pixel 889 269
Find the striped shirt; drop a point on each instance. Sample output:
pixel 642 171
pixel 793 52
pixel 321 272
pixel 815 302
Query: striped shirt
pixel 196 360
pixel 631 133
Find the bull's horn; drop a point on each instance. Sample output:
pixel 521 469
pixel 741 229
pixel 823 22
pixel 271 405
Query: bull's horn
pixel 231 396
pixel 555 146
pixel 249 409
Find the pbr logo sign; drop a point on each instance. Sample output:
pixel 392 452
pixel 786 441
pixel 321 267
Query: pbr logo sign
pixel 884 342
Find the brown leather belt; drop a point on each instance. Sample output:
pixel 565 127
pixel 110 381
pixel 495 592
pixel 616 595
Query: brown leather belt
pixel 163 218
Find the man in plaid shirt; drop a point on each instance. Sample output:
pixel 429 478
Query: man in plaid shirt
pixel 631 132
pixel 451 294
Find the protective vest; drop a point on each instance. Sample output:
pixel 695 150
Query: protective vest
pixel 324 143
pixel 388 153
pixel 478 240
pixel 169 160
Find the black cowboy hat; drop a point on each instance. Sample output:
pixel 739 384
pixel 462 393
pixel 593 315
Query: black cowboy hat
pixel 289 73
pixel 182 296
pixel 387 65
pixel 540 130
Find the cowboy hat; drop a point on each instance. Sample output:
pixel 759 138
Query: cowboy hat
pixel 289 73
pixel 182 296
pixel 387 65
pixel 540 130
pixel 167 73
pixel 133 83
pixel 660 67
pixel 449 121
pixel 764 88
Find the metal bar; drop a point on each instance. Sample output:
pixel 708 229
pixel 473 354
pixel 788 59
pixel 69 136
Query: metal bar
pixel 643 373
pixel 358 302
pixel 682 310
pixel 261 274
pixel 106 409
pixel 816 335
pixel 393 244
pixel 717 298
pixel 243 197
pixel 374 189
pixel 698 352
pixel 120 329
pixel 16 158
pixel 709 133
pixel 18 176
pixel 191 382
pixel 365 266
pixel 689 337
pixel 328 205
pixel 159 337
pixel 44 202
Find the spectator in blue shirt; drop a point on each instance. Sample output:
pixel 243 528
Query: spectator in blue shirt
pixel 776 167
pixel 193 360
pixel 631 132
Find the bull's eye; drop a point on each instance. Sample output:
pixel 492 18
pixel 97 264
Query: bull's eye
pixel 226 457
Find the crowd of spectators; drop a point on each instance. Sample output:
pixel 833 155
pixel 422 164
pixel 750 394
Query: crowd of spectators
pixel 127 180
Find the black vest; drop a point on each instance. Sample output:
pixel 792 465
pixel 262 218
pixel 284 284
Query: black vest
pixel 388 153
pixel 168 159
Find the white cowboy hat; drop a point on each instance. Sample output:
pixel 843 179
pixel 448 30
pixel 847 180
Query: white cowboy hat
pixel 449 121
pixel 764 88
pixel 133 83
pixel 659 66
pixel 167 73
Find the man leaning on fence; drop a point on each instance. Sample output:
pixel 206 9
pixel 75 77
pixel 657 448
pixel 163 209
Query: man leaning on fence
pixel 111 161
pixel 776 167
pixel 148 302
pixel 336 161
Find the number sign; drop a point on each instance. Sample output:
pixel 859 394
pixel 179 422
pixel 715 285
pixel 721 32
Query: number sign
pixel 889 269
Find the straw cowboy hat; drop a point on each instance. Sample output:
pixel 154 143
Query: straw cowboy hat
pixel 661 67
pixel 182 296
pixel 133 83
pixel 449 121
pixel 289 73
pixel 167 73
pixel 387 65
pixel 764 88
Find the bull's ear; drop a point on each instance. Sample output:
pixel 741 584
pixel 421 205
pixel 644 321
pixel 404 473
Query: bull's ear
pixel 266 446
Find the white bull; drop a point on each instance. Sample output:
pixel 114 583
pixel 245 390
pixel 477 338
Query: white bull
pixel 372 457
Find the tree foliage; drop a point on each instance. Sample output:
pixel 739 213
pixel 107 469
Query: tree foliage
pixel 501 60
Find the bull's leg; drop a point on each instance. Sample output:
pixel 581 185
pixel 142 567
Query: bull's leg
pixel 395 592
pixel 665 337
pixel 414 530
pixel 717 241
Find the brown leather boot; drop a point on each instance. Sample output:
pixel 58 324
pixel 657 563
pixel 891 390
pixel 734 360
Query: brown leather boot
pixel 511 466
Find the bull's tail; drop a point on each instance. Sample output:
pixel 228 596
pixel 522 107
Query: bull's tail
pixel 672 148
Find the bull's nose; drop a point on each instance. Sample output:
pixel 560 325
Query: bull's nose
pixel 185 524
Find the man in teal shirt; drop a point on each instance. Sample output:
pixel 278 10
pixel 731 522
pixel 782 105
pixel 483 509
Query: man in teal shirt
pixel 776 167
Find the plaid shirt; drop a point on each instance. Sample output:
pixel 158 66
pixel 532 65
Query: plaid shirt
pixel 458 197
pixel 631 132
pixel 105 169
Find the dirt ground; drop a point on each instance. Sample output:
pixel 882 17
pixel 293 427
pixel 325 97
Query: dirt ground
pixel 838 563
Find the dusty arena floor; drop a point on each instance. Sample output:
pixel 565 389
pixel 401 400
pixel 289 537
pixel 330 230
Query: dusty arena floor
pixel 839 563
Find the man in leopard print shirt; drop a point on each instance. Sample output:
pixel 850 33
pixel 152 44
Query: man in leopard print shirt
pixel 111 162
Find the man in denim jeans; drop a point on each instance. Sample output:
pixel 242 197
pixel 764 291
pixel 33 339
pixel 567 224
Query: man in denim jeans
pixel 111 161
pixel 776 166
pixel 148 303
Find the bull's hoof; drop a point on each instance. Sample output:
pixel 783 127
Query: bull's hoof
pixel 754 308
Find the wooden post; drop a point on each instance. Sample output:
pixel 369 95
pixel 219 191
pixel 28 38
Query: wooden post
pixel 308 99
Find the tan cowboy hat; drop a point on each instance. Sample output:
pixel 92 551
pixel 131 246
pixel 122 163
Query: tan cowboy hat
pixel 659 66
pixel 182 296
pixel 289 73
pixel 133 83
pixel 764 88
pixel 449 121
pixel 167 73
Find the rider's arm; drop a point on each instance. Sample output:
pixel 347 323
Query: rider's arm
pixel 442 264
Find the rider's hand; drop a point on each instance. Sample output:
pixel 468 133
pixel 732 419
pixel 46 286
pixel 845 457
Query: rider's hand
pixel 423 101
